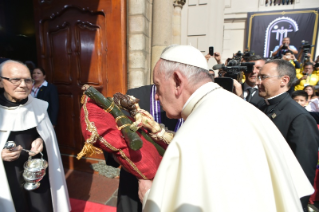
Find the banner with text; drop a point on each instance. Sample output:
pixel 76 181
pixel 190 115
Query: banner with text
pixel 266 30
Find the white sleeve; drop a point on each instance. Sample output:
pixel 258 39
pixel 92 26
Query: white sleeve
pixel 145 197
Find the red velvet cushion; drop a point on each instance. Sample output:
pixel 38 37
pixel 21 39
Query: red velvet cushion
pixel 142 163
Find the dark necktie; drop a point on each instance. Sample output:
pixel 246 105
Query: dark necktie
pixel 250 93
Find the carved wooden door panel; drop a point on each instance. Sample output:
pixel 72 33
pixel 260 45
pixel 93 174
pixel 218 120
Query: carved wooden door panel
pixel 80 42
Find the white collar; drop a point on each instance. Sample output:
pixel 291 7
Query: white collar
pixel 203 87
pixel 266 100
pixel 196 97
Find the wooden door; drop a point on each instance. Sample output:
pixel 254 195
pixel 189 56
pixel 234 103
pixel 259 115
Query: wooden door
pixel 80 42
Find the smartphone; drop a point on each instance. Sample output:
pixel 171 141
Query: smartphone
pixel 211 50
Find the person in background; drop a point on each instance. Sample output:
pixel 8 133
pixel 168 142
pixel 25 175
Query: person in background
pixel 313 106
pixel 306 77
pixel 25 121
pixel 279 50
pixel 310 90
pixel 289 56
pixel 300 97
pixel 41 89
pixel 296 125
pixel 250 89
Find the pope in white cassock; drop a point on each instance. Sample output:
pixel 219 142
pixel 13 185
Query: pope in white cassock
pixel 227 156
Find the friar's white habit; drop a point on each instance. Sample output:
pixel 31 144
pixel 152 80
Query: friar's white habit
pixel 33 114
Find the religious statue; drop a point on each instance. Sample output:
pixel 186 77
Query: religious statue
pixel 138 146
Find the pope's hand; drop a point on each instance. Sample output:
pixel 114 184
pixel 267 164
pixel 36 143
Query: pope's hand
pixel 11 155
pixel 36 146
pixel 143 187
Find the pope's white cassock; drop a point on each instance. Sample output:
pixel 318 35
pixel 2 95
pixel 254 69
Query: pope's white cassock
pixel 27 116
pixel 227 156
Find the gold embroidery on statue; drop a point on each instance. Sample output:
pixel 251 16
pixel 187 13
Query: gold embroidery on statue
pixel 123 156
pixel 121 127
pixel 119 117
pixel 109 109
pixel 83 98
pixel 88 148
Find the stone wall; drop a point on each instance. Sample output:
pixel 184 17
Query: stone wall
pixel 139 15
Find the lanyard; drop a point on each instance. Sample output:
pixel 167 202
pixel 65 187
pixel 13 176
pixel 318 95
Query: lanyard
pixel 35 90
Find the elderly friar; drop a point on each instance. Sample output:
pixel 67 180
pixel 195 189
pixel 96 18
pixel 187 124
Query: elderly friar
pixel 25 121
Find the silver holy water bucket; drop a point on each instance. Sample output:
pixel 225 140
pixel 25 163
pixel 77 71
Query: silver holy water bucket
pixel 34 171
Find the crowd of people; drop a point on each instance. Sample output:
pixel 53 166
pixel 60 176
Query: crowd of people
pixel 256 146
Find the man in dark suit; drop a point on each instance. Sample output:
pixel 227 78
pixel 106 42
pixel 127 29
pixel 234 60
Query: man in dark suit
pixel 250 89
pixel 127 200
pixel 296 125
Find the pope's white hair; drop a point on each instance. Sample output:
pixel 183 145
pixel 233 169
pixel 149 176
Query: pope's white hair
pixel 192 73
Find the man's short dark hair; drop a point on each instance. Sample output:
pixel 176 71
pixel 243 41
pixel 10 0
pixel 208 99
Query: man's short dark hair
pixel 299 93
pixel 308 64
pixel 255 57
pixel 285 68
pixel 289 51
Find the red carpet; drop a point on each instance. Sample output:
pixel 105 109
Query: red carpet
pixel 85 206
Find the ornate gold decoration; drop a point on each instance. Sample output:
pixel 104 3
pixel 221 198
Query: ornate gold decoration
pixel 119 117
pixel 109 109
pixel 89 149
pixel 121 127
pixel 123 156
pixel 83 98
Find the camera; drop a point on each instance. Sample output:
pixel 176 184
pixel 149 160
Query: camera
pixel 306 46
pixel 247 54
pixel 306 49
pixel 285 46
pixel 235 67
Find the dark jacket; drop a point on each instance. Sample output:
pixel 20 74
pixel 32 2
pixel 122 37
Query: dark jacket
pixel 298 128
pixel 49 94
pixel 256 99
